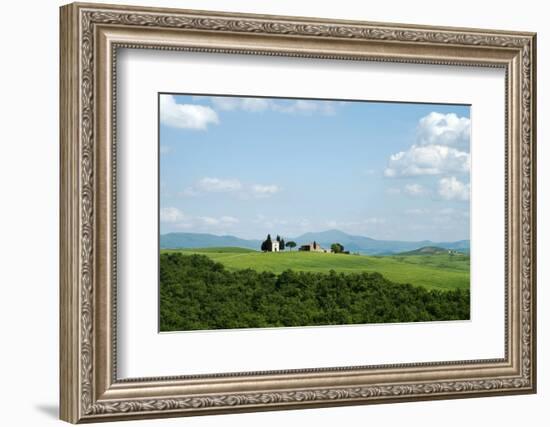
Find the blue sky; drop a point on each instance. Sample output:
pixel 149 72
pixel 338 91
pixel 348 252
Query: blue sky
pixel 252 166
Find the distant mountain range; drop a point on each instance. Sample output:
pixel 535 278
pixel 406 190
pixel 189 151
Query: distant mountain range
pixel 361 244
pixel 427 250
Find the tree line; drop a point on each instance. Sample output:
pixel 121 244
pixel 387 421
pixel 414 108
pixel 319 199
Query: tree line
pixel 197 293
pixel 266 245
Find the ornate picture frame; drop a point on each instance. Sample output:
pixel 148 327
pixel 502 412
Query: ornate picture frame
pixel 90 37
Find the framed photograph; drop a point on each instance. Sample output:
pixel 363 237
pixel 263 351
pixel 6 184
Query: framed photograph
pixel 265 212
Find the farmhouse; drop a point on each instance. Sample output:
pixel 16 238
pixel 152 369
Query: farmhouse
pixel 312 247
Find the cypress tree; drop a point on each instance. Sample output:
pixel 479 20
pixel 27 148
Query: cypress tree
pixel 266 244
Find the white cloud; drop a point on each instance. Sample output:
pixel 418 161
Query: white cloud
pixel 232 185
pixel 172 215
pixel 442 147
pixel 177 219
pixel 415 189
pixel 247 104
pixel 184 225
pixel 229 220
pixel 209 220
pixel 453 189
pixel 255 104
pixel 224 103
pixel 300 106
pixel 217 185
pixel 165 149
pixel 417 211
pixel 186 116
pixel 444 129
pixel 427 160
pixel 221 221
pixel 261 191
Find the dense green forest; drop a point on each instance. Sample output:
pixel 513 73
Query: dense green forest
pixel 197 293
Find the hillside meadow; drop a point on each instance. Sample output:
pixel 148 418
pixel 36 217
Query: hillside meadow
pixel 437 271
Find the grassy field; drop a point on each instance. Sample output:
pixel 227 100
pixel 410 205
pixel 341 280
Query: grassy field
pixel 438 271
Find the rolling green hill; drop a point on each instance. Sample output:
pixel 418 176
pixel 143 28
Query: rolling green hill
pixel 216 250
pixel 438 271
pixel 426 250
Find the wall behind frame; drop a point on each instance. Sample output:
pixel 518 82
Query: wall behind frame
pixel 29 171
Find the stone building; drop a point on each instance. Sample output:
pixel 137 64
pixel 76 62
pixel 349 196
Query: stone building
pixel 312 247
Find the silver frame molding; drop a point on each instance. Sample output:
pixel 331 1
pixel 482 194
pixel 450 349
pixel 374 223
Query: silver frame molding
pixel 90 37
